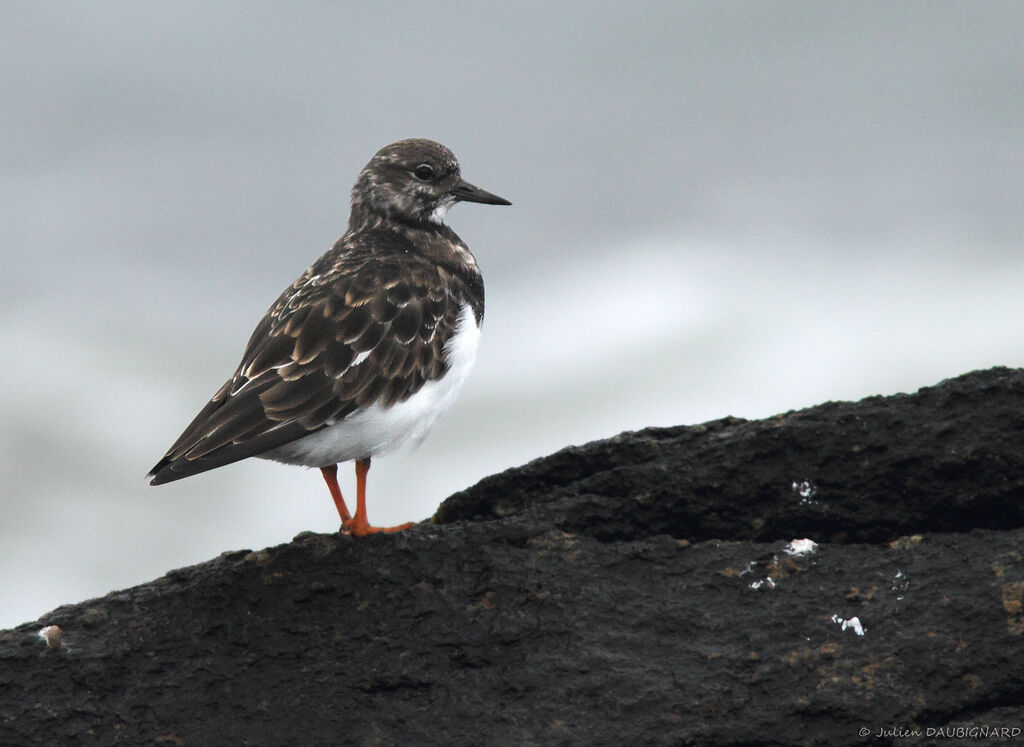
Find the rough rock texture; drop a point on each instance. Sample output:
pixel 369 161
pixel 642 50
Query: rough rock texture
pixel 632 591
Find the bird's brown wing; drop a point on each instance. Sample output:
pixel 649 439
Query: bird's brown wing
pixel 332 343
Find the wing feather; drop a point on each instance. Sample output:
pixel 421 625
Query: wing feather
pixel 346 337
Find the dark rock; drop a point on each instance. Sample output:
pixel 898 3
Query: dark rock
pixel 631 591
pixel 941 460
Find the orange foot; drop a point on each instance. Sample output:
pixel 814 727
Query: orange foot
pixel 362 528
pixel 359 525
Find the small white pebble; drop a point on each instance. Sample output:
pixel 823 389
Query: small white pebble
pixel 801 547
pixel 852 624
pixel 52 634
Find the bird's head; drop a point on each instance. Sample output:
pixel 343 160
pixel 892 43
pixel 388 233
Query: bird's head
pixel 415 181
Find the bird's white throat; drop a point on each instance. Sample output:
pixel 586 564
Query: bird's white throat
pixel 441 212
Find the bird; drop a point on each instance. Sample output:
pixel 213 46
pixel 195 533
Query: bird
pixel 367 349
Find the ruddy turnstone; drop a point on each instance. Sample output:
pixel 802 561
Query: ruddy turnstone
pixel 368 348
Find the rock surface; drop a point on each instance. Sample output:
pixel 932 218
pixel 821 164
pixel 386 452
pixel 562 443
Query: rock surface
pixel 638 590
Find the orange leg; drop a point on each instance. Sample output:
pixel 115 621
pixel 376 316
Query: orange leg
pixel 331 478
pixel 359 525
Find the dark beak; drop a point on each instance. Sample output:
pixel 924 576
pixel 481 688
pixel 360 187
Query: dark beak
pixel 466 192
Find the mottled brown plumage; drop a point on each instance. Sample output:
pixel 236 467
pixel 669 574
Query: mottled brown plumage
pixel 365 328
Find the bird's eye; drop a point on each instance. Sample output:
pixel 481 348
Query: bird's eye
pixel 424 172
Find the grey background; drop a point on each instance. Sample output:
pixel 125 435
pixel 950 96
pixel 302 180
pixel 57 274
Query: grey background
pixel 719 209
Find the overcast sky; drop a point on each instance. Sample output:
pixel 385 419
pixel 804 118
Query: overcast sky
pixel 719 209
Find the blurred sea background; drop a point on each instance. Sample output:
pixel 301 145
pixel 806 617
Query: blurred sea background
pixel 719 209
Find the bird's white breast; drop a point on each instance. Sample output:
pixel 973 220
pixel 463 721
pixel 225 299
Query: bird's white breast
pixel 377 430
